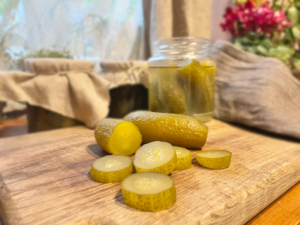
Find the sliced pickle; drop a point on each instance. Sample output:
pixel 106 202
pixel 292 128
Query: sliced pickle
pixel 118 137
pixel 184 158
pixel 111 168
pixel 156 156
pixel 149 191
pixel 214 159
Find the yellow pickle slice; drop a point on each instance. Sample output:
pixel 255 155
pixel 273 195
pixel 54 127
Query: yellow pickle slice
pixel 184 158
pixel 156 156
pixel 111 169
pixel 214 159
pixel 149 191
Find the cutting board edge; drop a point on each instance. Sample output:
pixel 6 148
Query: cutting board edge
pixel 211 218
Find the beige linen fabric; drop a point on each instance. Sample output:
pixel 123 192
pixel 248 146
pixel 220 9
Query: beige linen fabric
pixel 175 18
pixel 125 72
pixel 13 106
pixel 68 87
pixel 256 91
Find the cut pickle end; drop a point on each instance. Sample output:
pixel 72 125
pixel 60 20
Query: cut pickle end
pixel 111 168
pixel 149 191
pixel 184 158
pixel 156 156
pixel 214 159
pixel 178 130
pixel 118 137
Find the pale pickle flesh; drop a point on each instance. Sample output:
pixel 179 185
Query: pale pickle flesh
pixel 214 159
pixel 111 168
pixel 155 156
pixel 149 191
pixel 117 136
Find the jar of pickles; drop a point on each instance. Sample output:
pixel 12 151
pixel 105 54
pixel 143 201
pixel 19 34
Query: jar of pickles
pixel 182 77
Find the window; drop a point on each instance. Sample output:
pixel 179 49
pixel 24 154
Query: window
pixel 81 29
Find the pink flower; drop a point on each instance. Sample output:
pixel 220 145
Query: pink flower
pixel 244 18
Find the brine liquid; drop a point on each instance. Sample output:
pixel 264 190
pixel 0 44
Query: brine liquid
pixel 171 91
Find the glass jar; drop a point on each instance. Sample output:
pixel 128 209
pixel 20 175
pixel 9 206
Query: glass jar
pixel 182 77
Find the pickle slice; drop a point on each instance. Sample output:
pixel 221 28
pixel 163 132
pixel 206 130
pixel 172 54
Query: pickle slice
pixel 214 159
pixel 184 158
pixel 111 168
pixel 156 156
pixel 149 191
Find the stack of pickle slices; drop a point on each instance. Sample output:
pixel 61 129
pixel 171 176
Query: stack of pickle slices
pixel 166 138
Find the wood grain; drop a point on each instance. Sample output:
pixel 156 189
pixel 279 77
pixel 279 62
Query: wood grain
pixel 50 183
pixel 284 211
pixel 13 127
pixel 40 119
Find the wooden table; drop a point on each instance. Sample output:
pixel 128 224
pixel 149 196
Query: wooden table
pixel 284 211
pixel 13 127
pixel 44 179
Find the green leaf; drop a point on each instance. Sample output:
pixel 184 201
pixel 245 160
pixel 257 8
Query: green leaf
pixel 262 50
pixel 251 50
pixel 266 43
pixel 240 1
pixel 297 3
pixel 297 54
pixel 282 52
pixel 293 15
pixel 288 38
pixel 296 63
pixel 296 32
pixel 238 45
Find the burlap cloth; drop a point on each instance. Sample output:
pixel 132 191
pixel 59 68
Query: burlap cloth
pixel 68 87
pixel 256 91
pixel 125 72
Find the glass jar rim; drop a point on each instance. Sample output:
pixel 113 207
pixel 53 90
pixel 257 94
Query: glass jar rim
pixel 180 47
pixel 199 40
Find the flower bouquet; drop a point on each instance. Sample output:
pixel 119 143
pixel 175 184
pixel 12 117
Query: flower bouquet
pixel 267 29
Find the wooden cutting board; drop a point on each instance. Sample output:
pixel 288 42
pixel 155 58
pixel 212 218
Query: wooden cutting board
pixel 49 182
